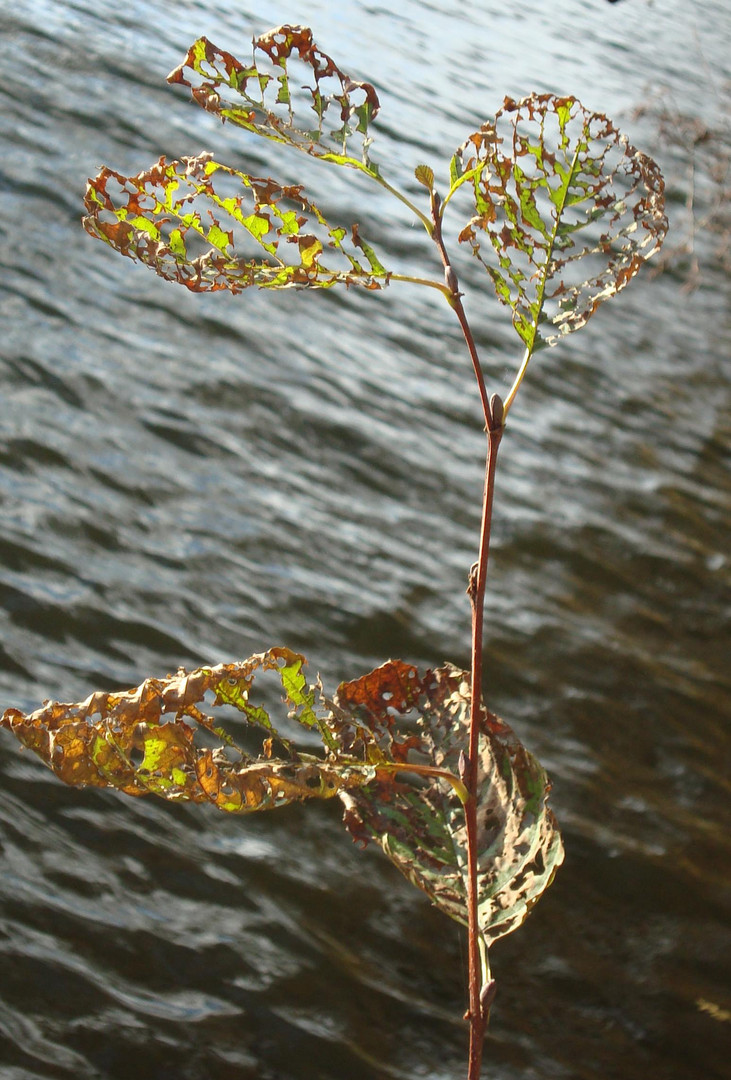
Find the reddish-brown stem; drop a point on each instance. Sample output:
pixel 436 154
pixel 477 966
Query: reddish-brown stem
pixel 456 302
pixel 478 582
pixel 478 1013
pixel 479 996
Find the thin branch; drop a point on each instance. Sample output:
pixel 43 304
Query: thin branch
pixel 460 313
pixel 455 299
pixel 406 201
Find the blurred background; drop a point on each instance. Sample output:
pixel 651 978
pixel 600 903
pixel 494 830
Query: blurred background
pixel 187 479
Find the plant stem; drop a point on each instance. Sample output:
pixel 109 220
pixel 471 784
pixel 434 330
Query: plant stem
pixel 481 987
pixel 478 991
pixel 455 300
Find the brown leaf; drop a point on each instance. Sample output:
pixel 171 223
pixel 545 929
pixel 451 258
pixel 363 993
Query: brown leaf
pixel 146 740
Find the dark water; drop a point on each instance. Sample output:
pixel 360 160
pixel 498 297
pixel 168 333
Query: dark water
pixel 187 479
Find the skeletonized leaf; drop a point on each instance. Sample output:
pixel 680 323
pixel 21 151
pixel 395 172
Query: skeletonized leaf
pixel 421 827
pixel 570 209
pixel 393 742
pixel 268 97
pixel 155 740
pixel 210 227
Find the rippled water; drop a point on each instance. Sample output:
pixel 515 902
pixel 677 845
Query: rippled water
pixel 187 479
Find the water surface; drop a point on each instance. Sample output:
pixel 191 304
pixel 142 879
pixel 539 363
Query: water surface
pixel 187 479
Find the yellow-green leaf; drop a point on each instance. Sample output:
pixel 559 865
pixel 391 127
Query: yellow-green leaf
pixel 181 219
pixel 569 208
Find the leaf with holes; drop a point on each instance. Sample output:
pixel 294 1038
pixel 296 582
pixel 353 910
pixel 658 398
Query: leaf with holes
pixel 209 227
pixel 153 740
pixel 421 826
pixel 291 92
pixel 570 209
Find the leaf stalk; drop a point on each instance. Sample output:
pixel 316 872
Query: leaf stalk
pixel 423 281
pixel 428 770
pixel 517 381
